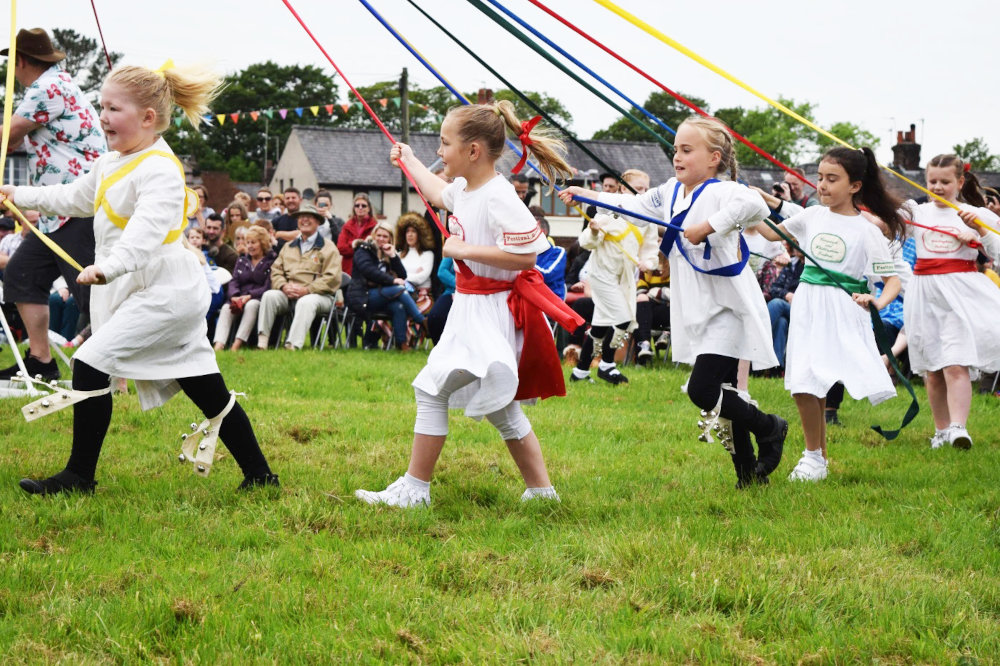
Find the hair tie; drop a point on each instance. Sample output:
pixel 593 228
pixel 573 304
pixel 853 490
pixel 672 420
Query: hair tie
pixel 525 138
pixel 169 64
pixel 966 167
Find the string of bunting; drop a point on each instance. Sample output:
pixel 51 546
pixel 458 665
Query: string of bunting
pixel 333 109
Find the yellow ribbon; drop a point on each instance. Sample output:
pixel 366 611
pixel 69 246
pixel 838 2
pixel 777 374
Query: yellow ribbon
pixel 169 64
pixel 645 27
pixel 61 253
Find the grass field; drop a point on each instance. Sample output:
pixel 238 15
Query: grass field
pixel 652 556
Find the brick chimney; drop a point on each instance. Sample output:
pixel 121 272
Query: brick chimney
pixel 485 96
pixel 906 152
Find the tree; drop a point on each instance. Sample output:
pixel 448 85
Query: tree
pixel 238 147
pixel 661 105
pixel 849 132
pixel 977 153
pixel 780 135
pixel 85 59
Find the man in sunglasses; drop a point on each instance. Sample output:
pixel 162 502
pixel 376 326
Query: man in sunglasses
pixel 265 209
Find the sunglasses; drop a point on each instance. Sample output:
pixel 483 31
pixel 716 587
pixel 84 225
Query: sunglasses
pixel 361 205
pixel 263 198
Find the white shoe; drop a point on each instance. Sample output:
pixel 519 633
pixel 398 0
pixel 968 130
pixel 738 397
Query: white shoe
pixel 644 350
pixel 619 338
pixel 663 341
pixel 939 439
pixel 400 493
pixel 540 493
pixel 808 469
pixel 958 437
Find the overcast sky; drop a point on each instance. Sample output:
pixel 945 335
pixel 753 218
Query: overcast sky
pixel 881 65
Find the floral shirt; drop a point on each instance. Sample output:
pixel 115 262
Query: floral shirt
pixel 69 136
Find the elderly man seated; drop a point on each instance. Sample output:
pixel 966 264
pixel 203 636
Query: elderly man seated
pixel 305 276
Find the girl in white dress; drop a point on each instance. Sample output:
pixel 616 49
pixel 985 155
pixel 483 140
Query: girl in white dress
pixel 830 338
pixel 715 320
pixel 475 365
pixel 150 297
pixel 952 312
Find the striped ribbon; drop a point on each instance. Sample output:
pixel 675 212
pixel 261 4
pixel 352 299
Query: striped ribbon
pixel 674 44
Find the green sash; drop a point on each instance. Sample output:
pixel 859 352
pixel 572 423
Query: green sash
pixel 829 278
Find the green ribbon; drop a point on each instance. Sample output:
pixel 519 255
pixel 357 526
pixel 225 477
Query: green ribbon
pixel 830 278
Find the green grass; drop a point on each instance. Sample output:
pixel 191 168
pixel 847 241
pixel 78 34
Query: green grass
pixel 652 557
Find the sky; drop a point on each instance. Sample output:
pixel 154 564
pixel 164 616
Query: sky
pixel 881 65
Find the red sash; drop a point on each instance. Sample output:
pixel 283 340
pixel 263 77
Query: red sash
pixel 939 266
pixel 539 370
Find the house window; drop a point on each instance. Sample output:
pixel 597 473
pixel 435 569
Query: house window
pixel 17 170
pixel 552 204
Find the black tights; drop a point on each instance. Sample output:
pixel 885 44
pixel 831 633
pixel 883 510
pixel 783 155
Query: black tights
pixel 91 418
pixel 710 372
pixel 604 333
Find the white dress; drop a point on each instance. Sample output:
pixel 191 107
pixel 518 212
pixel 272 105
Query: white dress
pixel 711 314
pixel 479 336
pixel 148 321
pixel 952 318
pixel 830 338
pixel 616 252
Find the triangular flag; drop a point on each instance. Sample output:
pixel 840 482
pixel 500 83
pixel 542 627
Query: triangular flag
pixel 357 105
pixel 396 101
pixel 383 102
pixel 269 113
pixel 235 117
pixel 178 121
pixel 345 107
pixel 222 119
pixel 315 110
pixel 298 110
pixel 282 113
pixel 329 109
pixel 255 115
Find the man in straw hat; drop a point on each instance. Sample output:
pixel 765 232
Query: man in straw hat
pixel 64 138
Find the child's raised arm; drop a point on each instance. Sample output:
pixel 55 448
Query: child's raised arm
pixel 429 184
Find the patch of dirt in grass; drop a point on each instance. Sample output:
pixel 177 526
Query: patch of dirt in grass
pixel 302 434
pixel 595 578
pixel 411 640
pixel 187 612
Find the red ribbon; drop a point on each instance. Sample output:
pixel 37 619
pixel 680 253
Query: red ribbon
pixel 967 167
pixel 525 138
pixel 942 266
pixel 539 371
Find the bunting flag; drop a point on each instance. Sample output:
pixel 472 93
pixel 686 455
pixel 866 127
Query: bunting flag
pixel 383 102
pixel 329 109
pixel 269 113
pixel 298 111
pixel 315 110
pixel 235 117
pixel 345 107
pixel 282 113
pixel 221 118
pixel 255 115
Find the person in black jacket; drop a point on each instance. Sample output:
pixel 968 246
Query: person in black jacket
pixel 779 304
pixel 378 283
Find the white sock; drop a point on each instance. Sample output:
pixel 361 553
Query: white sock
pixel 547 491
pixel 957 425
pixel 414 481
pixel 606 366
pixel 580 374
pixel 816 455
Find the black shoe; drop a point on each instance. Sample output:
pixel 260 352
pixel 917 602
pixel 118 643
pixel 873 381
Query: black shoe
pixel 754 479
pixel 63 482
pixel 48 371
pixel 612 376
pixel 574 378
pixel 251 482
pixel 770 446
pixel 831 417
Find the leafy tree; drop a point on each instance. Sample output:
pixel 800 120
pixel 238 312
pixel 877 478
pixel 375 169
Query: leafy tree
pixel 84 59
pixel 977 153
pixel 849 132
pixel 661 105
pixel 782 136
pixel 238 148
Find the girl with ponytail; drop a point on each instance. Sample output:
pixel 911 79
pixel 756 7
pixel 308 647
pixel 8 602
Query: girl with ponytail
pixel 484 362
pixel 952 312
pixel 830 338
pixel 150 297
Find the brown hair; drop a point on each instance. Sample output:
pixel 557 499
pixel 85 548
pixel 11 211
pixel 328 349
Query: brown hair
pixel 717 136
pixel 190 88
pixel 971 192
pixel 261 235
pixel 861 166
pixel 425 240
pixel 488 124
pixel 362 196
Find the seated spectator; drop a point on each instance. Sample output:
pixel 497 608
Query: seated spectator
pixel 251 278
pixel 278 203
pixel 63 311
pixel 779 304
pixel 438 315
pixel 204 210
pixel 266 210
pixel 358 227
pixel 305 276
pixel 415 246
pixel 239 240
pixel 215 249
pixel 332 225
pixel 236 217
pixel 652 310
pixel 196 243
pixel 266 226
pixel 378 283
pixel 551 263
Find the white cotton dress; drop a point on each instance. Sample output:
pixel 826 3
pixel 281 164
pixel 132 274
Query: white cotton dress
pixel 952 318
pixel 479 336
pixel 148 321
pixel 830 337
pixel 711 314
pixel 616 252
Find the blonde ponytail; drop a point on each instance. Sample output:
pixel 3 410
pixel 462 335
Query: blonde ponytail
pixel 191 88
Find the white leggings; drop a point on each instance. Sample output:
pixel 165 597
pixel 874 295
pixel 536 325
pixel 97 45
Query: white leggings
pixel 432 411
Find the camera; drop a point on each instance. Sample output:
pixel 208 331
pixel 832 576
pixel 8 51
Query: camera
pixel 778 188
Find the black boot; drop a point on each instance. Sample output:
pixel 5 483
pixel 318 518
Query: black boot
pixel 63 482
pixel 771 446
pixel 48 371
pixel 264 480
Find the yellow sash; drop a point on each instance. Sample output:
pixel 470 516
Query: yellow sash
pixel 630 229
pixel 191 203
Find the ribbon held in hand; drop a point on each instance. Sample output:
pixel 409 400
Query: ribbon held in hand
pixel 525 138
